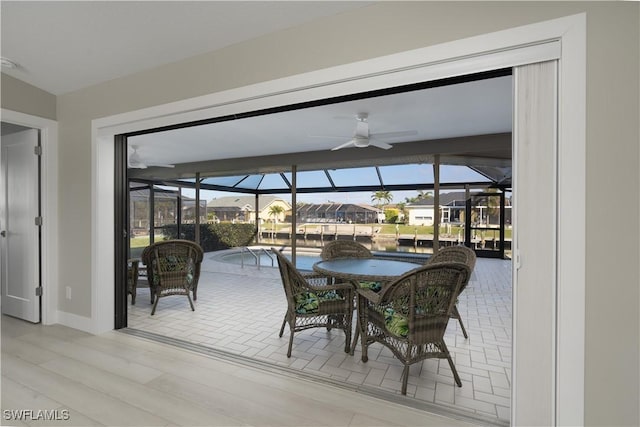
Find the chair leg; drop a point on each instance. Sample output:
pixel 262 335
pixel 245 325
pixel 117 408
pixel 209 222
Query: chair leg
pixel 451 365
pixel 405 379
pixel 284 322
pixel 133 295
pixel 347 336
pixel 356 335
pixel 155 304
pixel 363 342
pixel 195 294
pixel 190 302
pixel 290 343
pixel 456 314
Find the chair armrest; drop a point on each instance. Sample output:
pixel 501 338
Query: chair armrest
pixel 369 295
pixel 333 287
pixel 313 276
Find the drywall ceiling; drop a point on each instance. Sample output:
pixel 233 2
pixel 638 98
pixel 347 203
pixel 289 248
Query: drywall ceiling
pixel 65 46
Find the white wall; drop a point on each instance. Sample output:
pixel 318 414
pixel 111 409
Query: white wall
pixel 612 343
pixel 420 216
pixel 25 98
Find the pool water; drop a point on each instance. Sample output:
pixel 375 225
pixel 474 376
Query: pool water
pixel 303 261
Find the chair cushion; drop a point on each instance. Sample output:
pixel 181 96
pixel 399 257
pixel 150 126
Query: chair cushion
pixel 174 263
pixel 374 286
pixel 396 323
pixel 308 302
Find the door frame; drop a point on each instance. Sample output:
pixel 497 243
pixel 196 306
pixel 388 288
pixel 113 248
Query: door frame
pixel 562 38
pixel 49 208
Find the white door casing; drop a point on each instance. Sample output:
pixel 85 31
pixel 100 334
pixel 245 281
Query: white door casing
pixel 562 38
pixel 20 241
pixel 48 207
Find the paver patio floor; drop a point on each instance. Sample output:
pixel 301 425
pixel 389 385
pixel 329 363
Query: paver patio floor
pixel 240 310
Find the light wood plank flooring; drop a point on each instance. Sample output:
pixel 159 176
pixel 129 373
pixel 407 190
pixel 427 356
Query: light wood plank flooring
pixel 119 379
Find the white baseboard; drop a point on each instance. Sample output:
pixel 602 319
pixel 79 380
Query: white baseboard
pixel 74 321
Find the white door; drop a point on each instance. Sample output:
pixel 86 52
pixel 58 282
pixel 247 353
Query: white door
pixel 535 202
pixel 19 209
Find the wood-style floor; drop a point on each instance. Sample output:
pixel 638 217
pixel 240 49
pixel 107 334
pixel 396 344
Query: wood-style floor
pixel 116 379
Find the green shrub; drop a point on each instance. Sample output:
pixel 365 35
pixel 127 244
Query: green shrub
pixel 391 215
pixel 214 237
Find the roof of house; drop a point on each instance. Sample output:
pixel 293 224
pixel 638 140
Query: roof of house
pixel 446 199
pixel 336 207
pixel 142 194
pixel 244 201
pixel 454 198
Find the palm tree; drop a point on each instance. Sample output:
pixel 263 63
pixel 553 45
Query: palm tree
pixel 275 211
pixel 424 195
pixel 381 197
pixel 493 204
pixel 402 210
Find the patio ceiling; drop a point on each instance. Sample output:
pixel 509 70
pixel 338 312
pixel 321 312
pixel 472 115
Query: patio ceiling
pixel 466 122
pixel 410 169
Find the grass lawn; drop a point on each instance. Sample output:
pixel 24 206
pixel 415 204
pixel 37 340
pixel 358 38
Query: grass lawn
pixel 140 242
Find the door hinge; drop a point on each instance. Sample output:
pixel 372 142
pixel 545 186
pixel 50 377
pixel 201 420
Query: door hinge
pixel 37 150
pixel 39 221
pixel 39 291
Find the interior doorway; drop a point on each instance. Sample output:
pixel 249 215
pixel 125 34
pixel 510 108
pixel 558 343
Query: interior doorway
pixel 20 222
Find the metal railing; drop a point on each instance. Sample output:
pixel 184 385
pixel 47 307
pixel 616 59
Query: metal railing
pixel 256 256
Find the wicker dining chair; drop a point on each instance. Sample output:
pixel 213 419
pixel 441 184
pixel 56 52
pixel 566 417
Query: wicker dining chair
pixel 410 315
pixel 173 268
pixel 311 303
pixel 461 254
pixel 344 249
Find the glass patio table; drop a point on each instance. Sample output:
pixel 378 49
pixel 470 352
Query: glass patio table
pixel 357 270
pixel 364 269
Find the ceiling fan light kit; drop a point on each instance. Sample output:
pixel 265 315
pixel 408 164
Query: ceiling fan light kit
pixel 362 138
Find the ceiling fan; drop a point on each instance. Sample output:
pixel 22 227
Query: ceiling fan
pixel 362 138
pixel 135 161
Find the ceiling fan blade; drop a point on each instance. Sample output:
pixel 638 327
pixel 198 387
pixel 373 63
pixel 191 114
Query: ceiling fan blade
pixel 380 144
pixel 137 166
pixel 394 134
pixel 160 165
pixel 350 143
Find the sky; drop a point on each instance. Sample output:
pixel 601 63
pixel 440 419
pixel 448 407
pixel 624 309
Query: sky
pixel 394 174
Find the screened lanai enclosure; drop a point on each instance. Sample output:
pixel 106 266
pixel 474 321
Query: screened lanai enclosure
pixel 472 205
pixel 404 171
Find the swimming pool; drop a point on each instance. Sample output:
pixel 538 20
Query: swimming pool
pixel 304 261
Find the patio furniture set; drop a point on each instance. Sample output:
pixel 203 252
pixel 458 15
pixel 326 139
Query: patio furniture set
pixel 402 305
